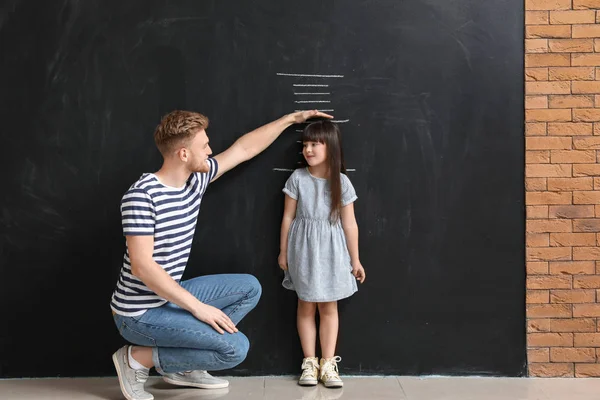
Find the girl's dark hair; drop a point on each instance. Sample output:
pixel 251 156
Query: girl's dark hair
pixel 329 133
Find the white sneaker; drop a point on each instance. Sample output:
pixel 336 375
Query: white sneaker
pixel 200 379
pixel 310 372
pixel 329 372
pixel 131 380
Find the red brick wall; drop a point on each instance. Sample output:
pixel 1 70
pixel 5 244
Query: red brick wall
pixel 562 108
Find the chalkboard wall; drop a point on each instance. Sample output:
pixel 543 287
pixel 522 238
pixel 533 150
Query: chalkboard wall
pixel 428 94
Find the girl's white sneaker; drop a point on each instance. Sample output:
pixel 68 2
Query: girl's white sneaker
pixel 310 372
pixel 329 372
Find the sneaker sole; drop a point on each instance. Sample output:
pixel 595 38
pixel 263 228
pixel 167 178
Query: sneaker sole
pixel 196 385
pixel 333 384
pixel 116 362
pixel 308 383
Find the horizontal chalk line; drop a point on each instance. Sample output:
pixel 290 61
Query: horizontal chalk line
pixel 302 85
pixel 292 170
pixel 332 110
pixel 311 75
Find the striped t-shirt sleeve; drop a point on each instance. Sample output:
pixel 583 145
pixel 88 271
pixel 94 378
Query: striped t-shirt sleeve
pixel 137 213
pixel 214 168
pixel 204 178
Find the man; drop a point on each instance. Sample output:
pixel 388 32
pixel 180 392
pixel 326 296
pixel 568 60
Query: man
pixel 181 328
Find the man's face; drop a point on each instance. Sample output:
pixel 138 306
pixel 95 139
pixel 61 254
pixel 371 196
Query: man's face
pixel 198 152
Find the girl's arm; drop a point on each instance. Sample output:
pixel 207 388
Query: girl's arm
pixel 289 213
pixel 351 232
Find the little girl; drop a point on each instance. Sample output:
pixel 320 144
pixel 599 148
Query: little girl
pixel 319 247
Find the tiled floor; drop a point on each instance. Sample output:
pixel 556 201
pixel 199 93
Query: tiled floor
pixel 285 388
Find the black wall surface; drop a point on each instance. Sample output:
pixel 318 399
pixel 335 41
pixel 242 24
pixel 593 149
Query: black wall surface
pixel 433 93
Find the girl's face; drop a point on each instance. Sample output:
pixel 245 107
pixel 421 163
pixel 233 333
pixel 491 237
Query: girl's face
pixel 315 153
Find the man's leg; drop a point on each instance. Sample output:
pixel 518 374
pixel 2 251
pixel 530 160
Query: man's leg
pixel 173 340
pixel 181 342
pixel 143 355
pixel 132 376
pixel 235 294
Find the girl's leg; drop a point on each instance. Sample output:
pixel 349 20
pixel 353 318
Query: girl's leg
pixel 328 316
pixel 328 330
pixel 307 327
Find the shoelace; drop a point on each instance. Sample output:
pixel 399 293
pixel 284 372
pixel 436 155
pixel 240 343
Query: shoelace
pixel 141 375
pixel 330 369
pixel 309 369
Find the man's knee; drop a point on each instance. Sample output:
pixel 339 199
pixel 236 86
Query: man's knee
pixel 257 288
pixel 239 349
pixel 254 287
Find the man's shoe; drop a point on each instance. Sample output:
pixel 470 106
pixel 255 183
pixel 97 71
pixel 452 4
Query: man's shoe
pixel 131 380
pixel 199 379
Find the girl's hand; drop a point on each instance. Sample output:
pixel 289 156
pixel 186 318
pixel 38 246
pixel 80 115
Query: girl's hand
pixel 359 272
pixel 282 260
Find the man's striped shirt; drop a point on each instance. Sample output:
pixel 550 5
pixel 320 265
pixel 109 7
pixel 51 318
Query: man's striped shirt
pixel 170 215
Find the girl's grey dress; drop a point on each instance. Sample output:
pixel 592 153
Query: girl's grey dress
pixel 319 267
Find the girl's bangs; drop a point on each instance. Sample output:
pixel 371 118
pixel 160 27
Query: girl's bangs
pixel 312 133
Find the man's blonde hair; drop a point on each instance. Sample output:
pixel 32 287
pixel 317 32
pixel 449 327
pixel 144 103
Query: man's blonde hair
pixel 177 128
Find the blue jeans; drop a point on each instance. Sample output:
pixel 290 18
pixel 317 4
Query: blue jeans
pixel 180 342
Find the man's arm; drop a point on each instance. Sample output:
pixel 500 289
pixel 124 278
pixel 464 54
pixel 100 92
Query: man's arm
pixel 253 143
pixel 147 270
